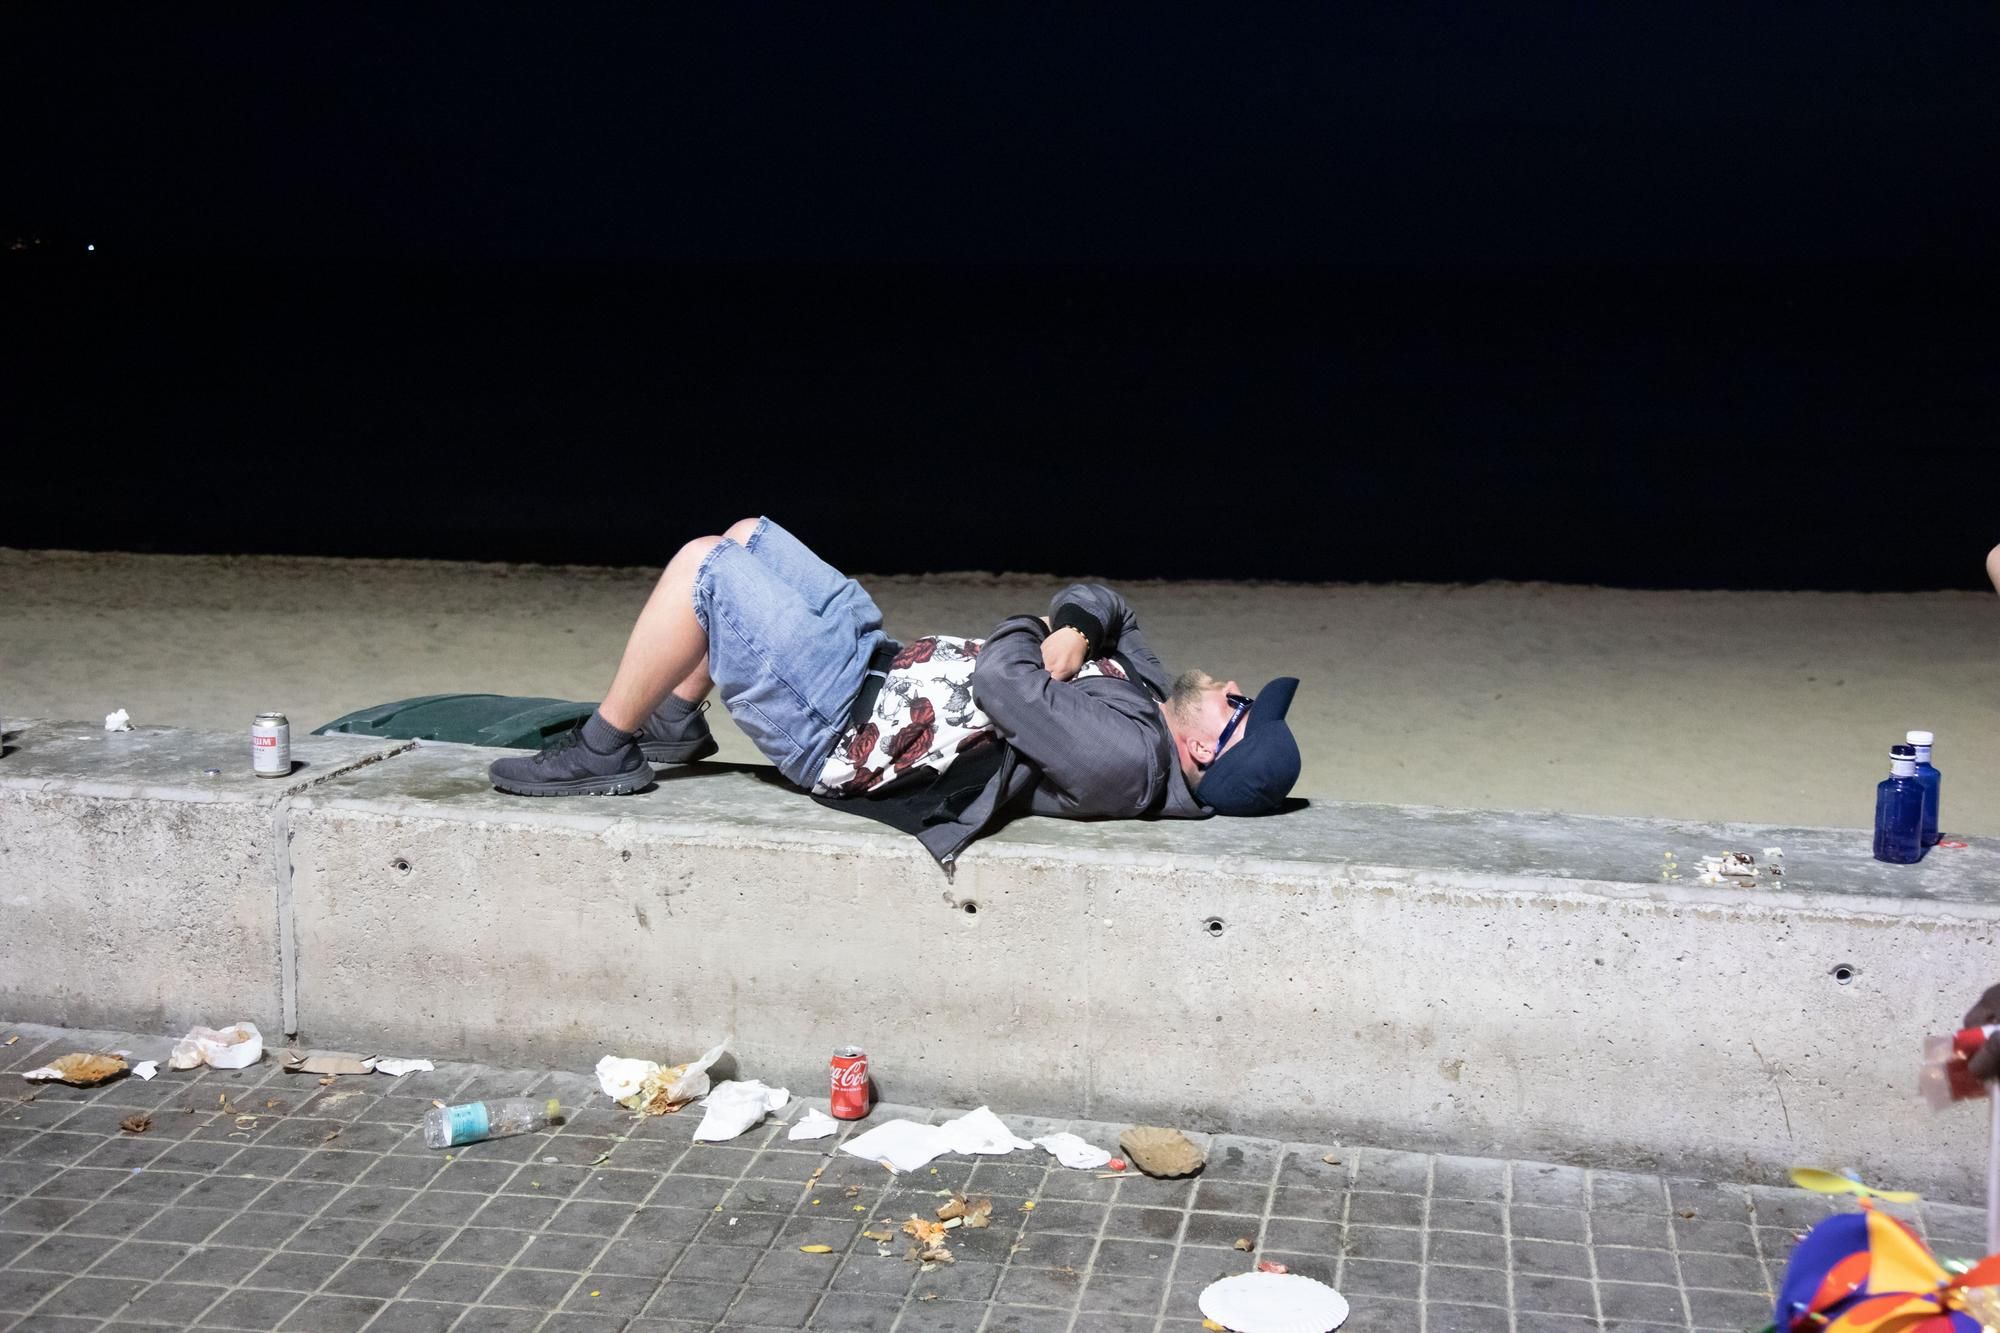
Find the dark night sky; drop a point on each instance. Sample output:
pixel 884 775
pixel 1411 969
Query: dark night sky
pixel 1337 292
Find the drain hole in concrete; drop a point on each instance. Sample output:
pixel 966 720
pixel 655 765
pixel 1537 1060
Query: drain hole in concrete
pixel 969 907
pixel 1213 925
pixel 1845 973
pixel 400 866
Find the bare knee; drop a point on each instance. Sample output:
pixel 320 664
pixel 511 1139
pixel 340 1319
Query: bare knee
pixel 739 531
pixel 693 553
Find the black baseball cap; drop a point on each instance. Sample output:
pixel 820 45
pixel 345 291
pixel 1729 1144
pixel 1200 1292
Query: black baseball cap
pixel 1254 776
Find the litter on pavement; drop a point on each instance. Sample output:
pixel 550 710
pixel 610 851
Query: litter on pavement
pixel 905 1145
pixel 118 721
pixel 1073 1152
pixel 645 1087
pixel 814 1124
pixel 328 1062
pixel 619 1077
pixel 80 1070
pixel 732 1108
pixel 237 1046
pixel 1161 1152
pixel 396 1068
pixel 1273 1303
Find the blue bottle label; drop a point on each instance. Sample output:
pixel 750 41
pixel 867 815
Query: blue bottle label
pixel 468 1123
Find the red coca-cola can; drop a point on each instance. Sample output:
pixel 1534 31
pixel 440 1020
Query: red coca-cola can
pixel 850 1083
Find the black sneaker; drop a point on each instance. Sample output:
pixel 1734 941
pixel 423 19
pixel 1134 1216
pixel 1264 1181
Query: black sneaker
pixel 681 741
pixel 568 767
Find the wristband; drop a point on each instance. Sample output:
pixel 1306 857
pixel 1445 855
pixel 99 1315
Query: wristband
pixel 1071 616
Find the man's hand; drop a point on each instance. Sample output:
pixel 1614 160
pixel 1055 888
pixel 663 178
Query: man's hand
pixel 1062 653
pixel 1985 1013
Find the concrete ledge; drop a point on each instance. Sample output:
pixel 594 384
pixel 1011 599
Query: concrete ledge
pixel 136 892
pixel 1480 982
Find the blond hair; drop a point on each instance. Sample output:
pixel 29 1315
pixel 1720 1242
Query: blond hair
pixel 1186 696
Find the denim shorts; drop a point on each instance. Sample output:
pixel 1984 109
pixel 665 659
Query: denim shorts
pixel 789 641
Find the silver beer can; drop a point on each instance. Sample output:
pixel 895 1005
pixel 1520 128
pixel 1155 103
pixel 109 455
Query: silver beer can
pixel 271 746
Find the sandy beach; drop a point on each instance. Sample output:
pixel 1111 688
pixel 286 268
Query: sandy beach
pixel 1773 708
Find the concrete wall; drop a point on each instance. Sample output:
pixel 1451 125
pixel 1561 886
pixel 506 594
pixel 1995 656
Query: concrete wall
pixel 137 892
pixel 1473 981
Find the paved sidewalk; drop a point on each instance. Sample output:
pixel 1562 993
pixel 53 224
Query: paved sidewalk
pixel 262 1200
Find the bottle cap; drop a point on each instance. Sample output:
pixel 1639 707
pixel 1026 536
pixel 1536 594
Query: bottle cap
pixel 1920 738
pixel 1902 752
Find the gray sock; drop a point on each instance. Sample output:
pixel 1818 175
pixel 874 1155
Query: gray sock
pixel 600 737
pixel 673 708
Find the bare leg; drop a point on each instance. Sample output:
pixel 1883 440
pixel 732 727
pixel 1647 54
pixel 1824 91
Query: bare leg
pixel 667 650
pixel 694 687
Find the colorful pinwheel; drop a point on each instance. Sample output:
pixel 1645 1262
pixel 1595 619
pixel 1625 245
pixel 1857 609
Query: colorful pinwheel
pixel 1866 1272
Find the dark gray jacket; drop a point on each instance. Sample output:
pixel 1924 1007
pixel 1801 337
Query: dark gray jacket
pixel 1092 748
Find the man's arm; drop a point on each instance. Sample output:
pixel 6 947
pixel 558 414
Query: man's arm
pixel 1985 1012
pixel 1089 746
pixel 1107 624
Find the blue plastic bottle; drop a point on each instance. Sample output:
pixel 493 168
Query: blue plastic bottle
pixel 1928 775
pixel 1899 810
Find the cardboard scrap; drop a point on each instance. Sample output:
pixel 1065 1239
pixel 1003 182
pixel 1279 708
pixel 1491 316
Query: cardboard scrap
pixel 1162 1152
pixel 328 1062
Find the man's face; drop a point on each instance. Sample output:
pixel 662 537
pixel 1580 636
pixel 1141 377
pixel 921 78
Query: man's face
pixel 1216 710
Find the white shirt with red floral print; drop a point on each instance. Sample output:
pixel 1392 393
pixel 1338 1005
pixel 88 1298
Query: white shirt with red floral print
pixel 924 717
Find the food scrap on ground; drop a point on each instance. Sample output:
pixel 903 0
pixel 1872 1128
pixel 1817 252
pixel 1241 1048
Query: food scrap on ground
pixel 975 1213
pixel 81 1069
pixel 927 1242
pixel 647 1088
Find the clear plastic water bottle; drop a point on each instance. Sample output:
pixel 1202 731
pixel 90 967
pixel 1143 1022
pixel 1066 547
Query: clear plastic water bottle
pixel 1928 775
pixel 1899 810
pixel 448 1126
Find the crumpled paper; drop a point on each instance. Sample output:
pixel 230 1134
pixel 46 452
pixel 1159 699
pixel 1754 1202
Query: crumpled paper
pixel 118 721
pixel 734 1107
pixel 906 1145
pixel 1072 1151
pixel 237 1046
pixel 676 1086
pixel 620 1077
pixel 814 1124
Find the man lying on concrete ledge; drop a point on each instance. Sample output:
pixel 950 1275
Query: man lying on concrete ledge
pixel 1069 714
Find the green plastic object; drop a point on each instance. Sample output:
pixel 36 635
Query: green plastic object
pixel 505 720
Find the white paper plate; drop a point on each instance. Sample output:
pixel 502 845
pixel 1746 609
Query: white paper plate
pixel 1273 1303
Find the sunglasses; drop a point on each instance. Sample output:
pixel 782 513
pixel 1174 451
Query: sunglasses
pixel 1242 704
